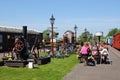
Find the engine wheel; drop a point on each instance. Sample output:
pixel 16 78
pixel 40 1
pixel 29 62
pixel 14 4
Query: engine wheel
pixel 19 46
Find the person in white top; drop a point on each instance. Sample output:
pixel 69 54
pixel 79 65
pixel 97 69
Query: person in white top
pixel 104 54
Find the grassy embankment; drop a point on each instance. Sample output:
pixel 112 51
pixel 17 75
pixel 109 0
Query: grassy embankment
pixel 55 70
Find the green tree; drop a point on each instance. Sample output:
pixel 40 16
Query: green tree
pixel 113 31
pixel 85 36
pixel 46 34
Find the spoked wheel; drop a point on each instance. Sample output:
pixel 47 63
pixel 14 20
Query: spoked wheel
pixel 19 46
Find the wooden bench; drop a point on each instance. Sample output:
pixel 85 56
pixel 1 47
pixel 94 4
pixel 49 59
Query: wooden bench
pixel 43 60
pixel 15 63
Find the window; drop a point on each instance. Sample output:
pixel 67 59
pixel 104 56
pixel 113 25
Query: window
pixel 1 38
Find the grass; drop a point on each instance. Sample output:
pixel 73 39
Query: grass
pixel 0 59
pixel 55 70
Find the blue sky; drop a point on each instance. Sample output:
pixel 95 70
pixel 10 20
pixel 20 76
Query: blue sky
pixel 95 15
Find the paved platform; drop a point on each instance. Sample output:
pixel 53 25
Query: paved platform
pixel 98 72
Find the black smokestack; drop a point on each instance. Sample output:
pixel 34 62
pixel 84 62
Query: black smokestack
pixel 41 37
pixel 25 32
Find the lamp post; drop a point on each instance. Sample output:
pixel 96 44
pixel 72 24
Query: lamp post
pixel 85 35
pixel 52 19
pixel 75 28
pixel 99 34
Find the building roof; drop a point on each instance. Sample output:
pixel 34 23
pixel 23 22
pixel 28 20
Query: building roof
pixel 15 30
pixel 69 31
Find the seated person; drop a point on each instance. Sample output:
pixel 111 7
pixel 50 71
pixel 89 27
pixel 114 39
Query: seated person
pixel 104 51
pixel 104 54
pixel 85 52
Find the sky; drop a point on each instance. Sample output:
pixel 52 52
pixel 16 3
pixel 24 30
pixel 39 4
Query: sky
pixel 94 15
